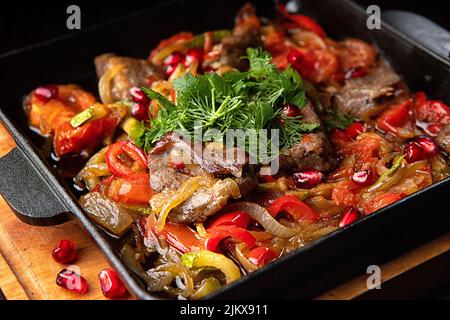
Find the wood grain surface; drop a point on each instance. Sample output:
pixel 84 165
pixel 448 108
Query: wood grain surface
pixel 27 270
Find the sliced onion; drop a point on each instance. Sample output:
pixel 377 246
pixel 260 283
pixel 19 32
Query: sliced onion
pixel 91 174
pixel 264 218
pixel 243 261
pixel 104 84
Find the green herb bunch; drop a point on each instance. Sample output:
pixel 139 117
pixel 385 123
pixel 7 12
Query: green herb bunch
pixel 235 100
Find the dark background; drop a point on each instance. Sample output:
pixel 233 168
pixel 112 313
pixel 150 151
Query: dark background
pixel 23 24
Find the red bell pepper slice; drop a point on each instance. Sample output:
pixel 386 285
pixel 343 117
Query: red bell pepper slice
pixel 238 218
pixel 217 234
pixel 261 256
pixel 395 116
pixel 116 166
pixel 292 205
pixel 302 21
pixel 134 191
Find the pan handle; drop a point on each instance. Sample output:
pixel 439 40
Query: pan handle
pixel 421 30
pixel 27 193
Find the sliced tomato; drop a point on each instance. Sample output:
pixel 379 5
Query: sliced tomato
pixel 292 205
pixel 381 200
pixel 87 136
pixel 314 64
pixel 135 191
pixel 395 116
pixel 180 237
pixel 430 110
pixel 357 55
pixel 48 114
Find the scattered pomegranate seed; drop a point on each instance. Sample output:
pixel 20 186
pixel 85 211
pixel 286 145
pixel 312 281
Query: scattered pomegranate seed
pixel 414 152
pixel 138 95
pixel 420 149
pixel 140 111
pixel 267 178
pixel 64 252
pixel 349 216
pixel 294 56
pixel 111 284
pixel 174 59
pixel 178 165
pixel 288 111
pixel 208 69
pixel 355 73
pixel 363 178
pixel 170 69
pixel 428 146
pixel 354 130
pixel 46 93
pixel 72 281
pixel 307 179
pixel 193 54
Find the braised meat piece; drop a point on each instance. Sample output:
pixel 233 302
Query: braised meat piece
pixel 245 34
pixel 118 74
pixel 173 161
pixel 313 151
pixel 363 97
pixel 443 139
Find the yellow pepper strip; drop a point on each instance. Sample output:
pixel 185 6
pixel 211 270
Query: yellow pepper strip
pixel 205 258
pixel 208 286
pixel 188 188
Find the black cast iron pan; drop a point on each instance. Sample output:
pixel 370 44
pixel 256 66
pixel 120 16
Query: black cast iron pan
pixel 38 195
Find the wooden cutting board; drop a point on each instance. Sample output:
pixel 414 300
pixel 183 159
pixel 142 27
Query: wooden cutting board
pixel 27 270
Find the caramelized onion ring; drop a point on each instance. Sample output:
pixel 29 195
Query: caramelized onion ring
pixel 264 218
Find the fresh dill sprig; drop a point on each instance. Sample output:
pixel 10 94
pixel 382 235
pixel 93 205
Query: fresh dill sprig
pixel 235 100
pixel 334 119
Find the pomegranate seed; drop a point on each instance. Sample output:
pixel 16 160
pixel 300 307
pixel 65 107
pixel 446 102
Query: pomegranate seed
pixel 288 111
pixel 64 252
pixel 428 146
pixel 174 59
pixel 46 93
pixel 111 284
pixel 294 57
pixel 208 69
pixel 178 165
pixel 414 152
pixel 193 54
pixel 140 111
pixel 363 178
pixel 138 95
pixel 349 216
pixel 170 69
pixel 354 130
pixel 72 281
pixel 355 73
pixel 307 179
